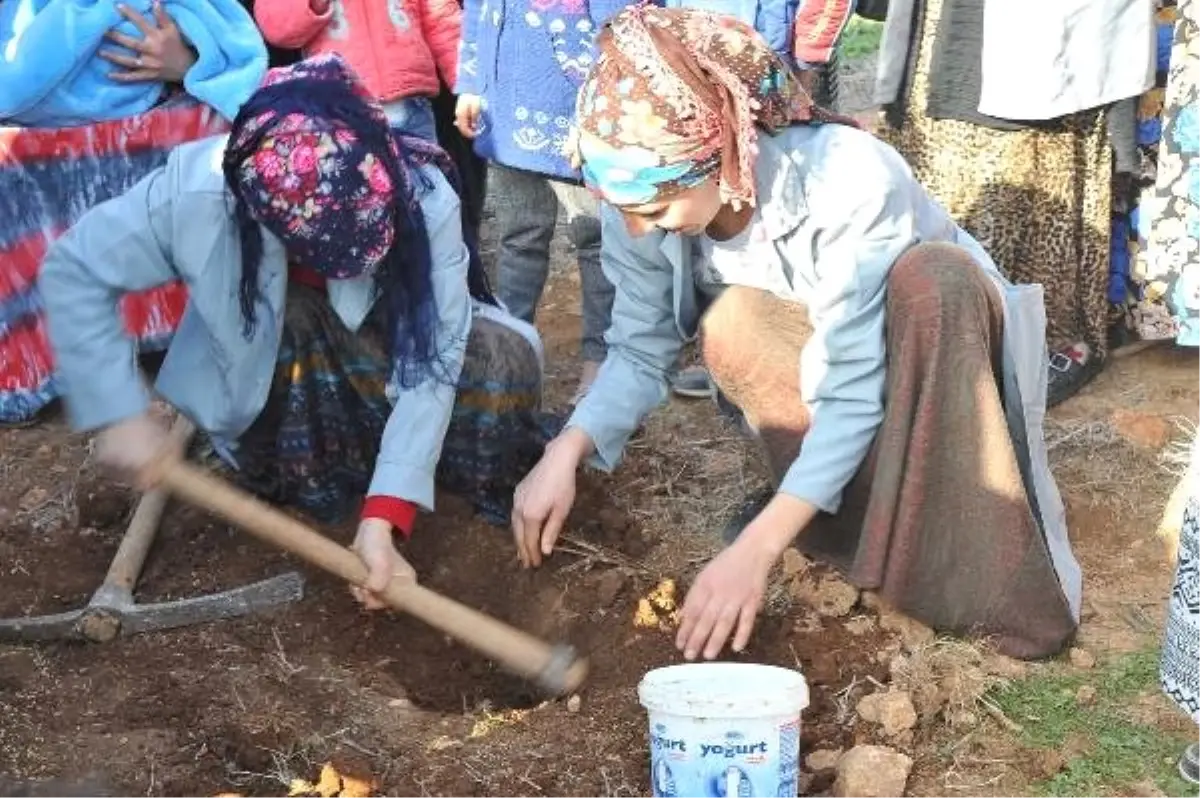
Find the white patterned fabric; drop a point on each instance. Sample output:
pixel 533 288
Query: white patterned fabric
pixel 1180 668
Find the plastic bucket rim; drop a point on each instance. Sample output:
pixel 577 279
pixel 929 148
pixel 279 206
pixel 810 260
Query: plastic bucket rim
pixel 793 698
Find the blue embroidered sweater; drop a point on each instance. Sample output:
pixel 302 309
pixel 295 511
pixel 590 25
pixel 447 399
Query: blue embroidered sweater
pixel 526 59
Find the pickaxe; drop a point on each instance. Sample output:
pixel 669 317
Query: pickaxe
pixel 112 609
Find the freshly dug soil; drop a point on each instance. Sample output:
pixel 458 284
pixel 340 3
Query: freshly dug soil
pixel 248 704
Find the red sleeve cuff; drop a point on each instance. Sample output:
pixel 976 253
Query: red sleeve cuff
pixel 399 513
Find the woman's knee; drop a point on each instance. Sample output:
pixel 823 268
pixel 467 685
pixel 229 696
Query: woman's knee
pixel 943 272
pixel 748 324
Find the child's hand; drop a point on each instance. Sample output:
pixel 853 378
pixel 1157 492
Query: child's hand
pixel 373 544
pixel 466 115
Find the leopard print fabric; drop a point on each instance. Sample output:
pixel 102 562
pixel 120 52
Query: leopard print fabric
pixel 1039 201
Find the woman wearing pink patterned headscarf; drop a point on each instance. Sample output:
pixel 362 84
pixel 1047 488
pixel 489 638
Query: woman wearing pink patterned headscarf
pixel 895 379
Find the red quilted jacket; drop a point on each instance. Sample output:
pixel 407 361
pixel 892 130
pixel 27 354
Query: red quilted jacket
pixel 397 47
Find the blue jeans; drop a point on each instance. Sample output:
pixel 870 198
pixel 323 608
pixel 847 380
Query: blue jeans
pixel 412 116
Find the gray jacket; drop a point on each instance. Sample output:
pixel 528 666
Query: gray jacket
pixel 175 224
pixel 841 207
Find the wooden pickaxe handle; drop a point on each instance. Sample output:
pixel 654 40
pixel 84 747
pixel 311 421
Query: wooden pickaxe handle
pixel 554 667
pixel 127 563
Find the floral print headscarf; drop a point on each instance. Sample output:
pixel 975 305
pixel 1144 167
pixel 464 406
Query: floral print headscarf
pixel 315 183
pixel 677 96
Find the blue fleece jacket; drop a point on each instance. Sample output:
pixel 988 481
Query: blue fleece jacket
pixel 51 74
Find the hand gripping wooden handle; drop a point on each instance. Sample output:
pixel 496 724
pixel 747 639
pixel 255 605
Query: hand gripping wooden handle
pixel 127 564
pixel 555 668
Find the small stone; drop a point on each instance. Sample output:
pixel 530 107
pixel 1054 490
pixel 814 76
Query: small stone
pixel 914 633
pixel 1005 667
pixel 574 703
pixel 794 563
pixel 860 625
pixel 872 770
pixel 1082 658
pixel 44 450
pixel 1147 430
pixel 963 719
pixel 1049 762
pixel 1085 695
pixel 823 759
pixel 807 623
pixel 608 586
pixel 893 710
pixel 898 663
pixel 871 601
pixel 829 596
pixel 33 499
pixel 400 703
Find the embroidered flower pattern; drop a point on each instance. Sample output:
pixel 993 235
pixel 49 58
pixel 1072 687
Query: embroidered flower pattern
pixel 1168 215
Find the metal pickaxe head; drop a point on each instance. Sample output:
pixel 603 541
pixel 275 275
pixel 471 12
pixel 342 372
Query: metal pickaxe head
pixel 112 611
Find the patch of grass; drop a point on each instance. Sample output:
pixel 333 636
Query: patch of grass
pixel 860 39
pixel 1116 750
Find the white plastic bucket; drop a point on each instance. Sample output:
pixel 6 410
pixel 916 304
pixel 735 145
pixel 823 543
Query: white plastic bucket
pixel 724 729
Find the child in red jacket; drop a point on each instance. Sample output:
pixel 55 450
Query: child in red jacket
pixel 399 48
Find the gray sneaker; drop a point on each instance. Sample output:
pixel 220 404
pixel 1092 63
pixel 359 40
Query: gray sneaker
pixel 1189 764
pixel 694 383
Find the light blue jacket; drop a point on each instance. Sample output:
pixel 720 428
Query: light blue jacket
pixel 175 224
pixel 841 207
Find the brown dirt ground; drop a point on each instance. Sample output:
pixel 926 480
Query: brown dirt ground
pixel 249 705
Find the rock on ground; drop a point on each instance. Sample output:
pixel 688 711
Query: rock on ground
pixel 829 596
pixel 914 633
pixel 823 759
pixel 892 710
pixel 1082 658
pixel 872 770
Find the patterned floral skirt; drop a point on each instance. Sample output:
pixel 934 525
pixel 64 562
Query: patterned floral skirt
pixel 1163 222
pixel 314 444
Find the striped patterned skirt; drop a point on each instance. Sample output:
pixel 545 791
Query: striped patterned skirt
pixel 314 444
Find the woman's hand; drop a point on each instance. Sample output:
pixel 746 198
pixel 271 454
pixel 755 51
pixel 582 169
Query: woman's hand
pixel 466 115
pixel 375 547
pixel 543 499
pixel 724 599
pixel 728 594
pixel 134 447
pixel 160 55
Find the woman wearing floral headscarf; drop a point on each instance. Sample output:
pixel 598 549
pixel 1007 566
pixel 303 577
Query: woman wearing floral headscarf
pixel 895 379
pixel 339 339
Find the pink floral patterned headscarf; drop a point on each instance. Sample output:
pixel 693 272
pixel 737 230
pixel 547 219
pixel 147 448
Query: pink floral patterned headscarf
pixel 316 182
pixel 678 95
